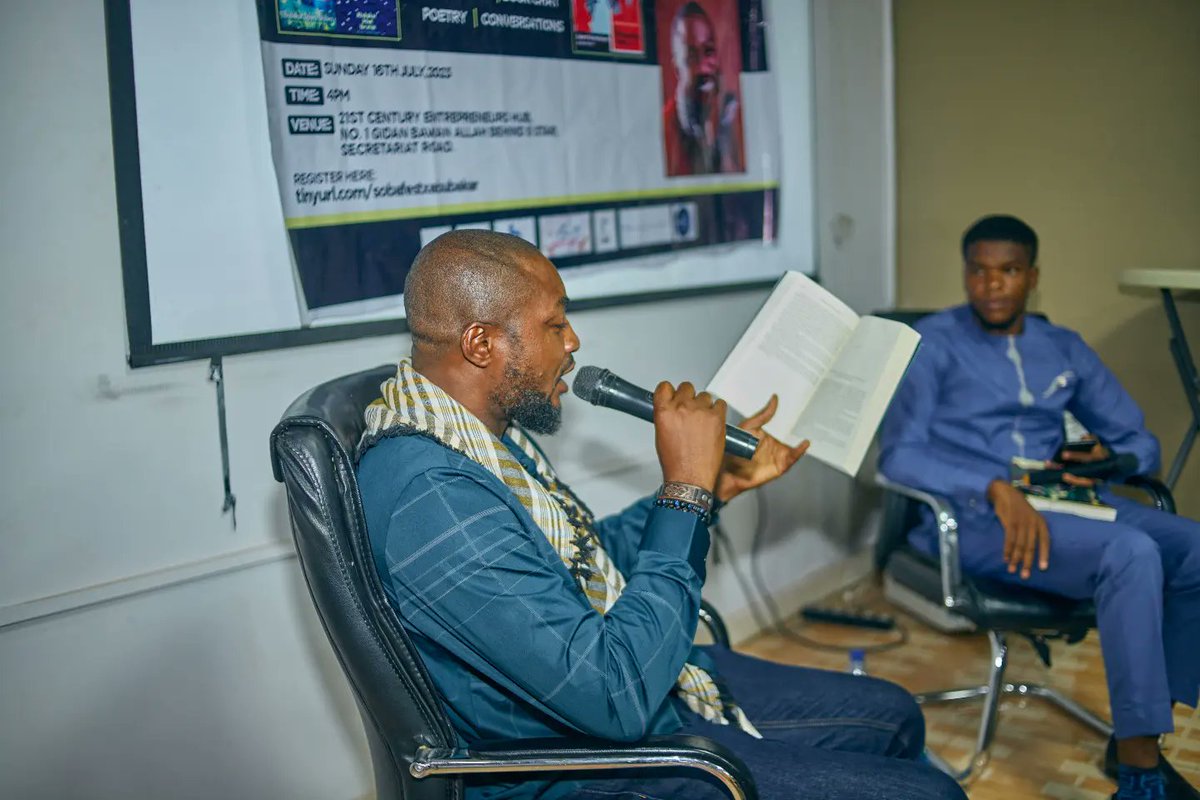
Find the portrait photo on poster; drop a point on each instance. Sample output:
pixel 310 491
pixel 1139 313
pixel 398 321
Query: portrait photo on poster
pixel 700 61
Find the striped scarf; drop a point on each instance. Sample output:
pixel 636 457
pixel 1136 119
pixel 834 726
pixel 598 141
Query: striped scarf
pixel 412 404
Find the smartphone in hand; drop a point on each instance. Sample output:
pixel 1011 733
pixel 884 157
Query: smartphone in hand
pixel 1081 446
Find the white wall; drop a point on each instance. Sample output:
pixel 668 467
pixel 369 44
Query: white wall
pixel 855 145
pixel 146 648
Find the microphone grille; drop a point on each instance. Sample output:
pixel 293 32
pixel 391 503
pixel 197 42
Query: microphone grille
pixel 587 382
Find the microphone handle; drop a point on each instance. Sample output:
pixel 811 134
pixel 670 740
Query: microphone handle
pixel 739 443
pixel 621 395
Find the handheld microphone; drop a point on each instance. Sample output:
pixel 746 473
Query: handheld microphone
pixel 602 388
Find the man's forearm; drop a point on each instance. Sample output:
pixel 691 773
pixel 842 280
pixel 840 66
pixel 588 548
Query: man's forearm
pixel 920 467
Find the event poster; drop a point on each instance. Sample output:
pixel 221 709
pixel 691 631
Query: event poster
pixel 599 130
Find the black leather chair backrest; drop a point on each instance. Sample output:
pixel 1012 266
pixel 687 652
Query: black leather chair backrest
pixel 899 514
pixel 310 455
pixel 908 316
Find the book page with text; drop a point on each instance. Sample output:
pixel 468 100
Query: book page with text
pixel 845 411
pixel 787 350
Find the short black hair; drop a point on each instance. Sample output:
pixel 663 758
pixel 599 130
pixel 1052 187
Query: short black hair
pixel 1001 228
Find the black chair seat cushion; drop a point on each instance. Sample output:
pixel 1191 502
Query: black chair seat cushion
pixel 991 603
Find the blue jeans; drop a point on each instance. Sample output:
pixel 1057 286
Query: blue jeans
pixel 826 735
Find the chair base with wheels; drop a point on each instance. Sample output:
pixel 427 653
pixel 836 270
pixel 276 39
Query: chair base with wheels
pixel 991 693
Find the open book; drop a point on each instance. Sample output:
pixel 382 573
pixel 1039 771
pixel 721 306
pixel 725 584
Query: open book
pixel 834 372
pixel 1077 500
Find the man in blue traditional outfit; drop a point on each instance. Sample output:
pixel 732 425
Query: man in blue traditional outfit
pixel 989 384
pixel 534 618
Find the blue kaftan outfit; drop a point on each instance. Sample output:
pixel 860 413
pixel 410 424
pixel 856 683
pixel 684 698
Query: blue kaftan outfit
pixel 970 402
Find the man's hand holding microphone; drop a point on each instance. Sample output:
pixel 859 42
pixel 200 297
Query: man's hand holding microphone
pixel 689 436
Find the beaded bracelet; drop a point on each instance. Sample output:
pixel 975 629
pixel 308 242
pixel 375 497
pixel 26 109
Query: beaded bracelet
pixel 682 505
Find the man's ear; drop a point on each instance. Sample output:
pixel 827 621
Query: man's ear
pixel 478 343
pixel 1034 273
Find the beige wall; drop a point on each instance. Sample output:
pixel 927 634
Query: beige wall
pixel 1083 118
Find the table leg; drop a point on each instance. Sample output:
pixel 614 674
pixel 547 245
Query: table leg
pixel 1191 385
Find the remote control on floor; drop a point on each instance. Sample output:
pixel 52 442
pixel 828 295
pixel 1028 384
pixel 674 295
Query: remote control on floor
pixel 857 619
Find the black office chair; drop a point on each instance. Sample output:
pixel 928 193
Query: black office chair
pixel 413 748
pixel 937 590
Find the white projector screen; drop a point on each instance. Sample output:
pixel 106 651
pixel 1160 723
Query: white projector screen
pixel 225 253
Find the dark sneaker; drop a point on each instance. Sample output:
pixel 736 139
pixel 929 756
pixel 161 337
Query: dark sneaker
pixel 1177 786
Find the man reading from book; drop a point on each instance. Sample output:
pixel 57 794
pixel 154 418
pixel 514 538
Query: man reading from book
pixel 988 389
pixel 535 618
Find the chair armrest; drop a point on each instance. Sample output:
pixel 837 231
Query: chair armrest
pixel 951 568
pixel 713 622
pixel 571 755
pixel 1158 491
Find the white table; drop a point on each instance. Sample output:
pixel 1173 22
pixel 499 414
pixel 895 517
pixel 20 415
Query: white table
pixel 1168 281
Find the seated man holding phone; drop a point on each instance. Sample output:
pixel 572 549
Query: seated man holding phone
pixel 986 392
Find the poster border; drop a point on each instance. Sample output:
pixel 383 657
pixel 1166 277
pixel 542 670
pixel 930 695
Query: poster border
pixel 141 351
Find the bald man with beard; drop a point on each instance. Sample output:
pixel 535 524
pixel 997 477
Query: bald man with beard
pixel 535 618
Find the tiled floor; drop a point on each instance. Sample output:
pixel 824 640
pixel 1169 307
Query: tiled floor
pixel 1038 751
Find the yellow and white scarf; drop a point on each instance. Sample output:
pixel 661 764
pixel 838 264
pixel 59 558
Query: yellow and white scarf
pixel 412 404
